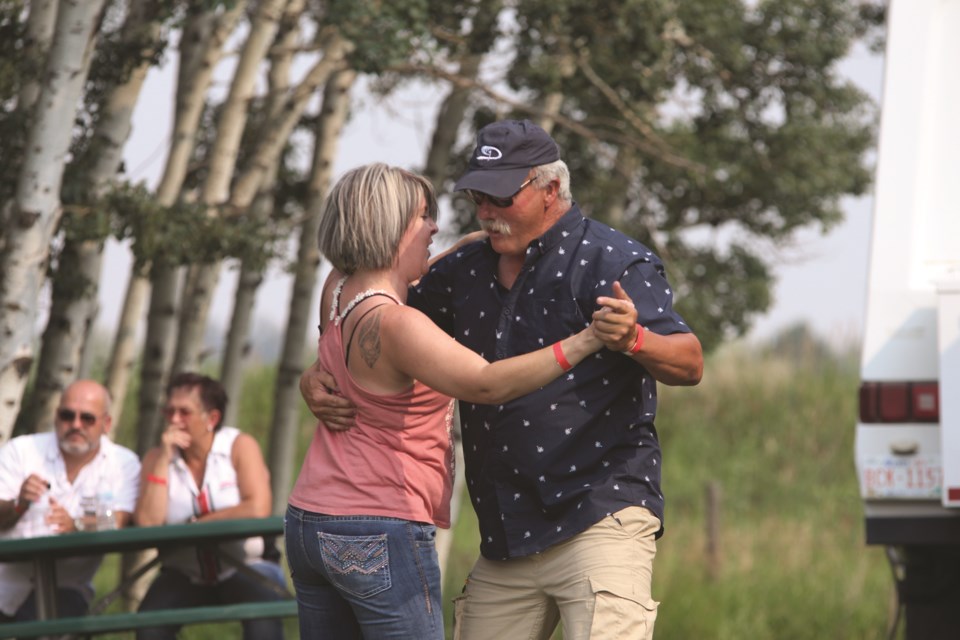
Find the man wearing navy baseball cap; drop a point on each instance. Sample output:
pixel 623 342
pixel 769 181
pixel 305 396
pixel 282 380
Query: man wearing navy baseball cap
pixel 566 480
pixel 504 155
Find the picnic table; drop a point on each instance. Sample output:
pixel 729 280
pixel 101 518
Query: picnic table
pixel 45 550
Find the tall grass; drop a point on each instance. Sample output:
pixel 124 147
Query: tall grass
pixel 776 434
pixel 773 429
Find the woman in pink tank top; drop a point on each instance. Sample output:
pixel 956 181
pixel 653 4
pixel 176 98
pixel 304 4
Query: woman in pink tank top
pixel 362 517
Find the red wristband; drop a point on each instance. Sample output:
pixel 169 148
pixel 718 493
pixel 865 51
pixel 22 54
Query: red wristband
pixel 561 359
pixel 638 344
pixel 20 506
pixel 156 479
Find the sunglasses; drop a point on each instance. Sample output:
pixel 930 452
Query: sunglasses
pixel 69 415
pixel 501 203
pixel 170 412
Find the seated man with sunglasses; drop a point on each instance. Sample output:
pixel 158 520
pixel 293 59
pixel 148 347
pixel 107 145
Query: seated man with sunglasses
pixel 43 479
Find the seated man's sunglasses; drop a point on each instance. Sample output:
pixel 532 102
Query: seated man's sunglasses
pixel 502 203
pixel 69 415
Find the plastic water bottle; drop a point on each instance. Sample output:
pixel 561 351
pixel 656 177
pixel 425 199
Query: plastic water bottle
pixel 37 518
pixel 106 518
pixel 88 512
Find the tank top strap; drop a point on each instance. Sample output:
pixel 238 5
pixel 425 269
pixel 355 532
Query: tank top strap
pixel 337 315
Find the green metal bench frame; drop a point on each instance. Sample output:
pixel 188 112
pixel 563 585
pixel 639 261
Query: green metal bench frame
pixel 107 623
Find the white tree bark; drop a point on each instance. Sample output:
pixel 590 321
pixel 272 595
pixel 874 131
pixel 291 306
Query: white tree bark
pixel 40 26
pixel 32 216
pixel 201 48
pixel 76 285
pixel 236 347
pixel 216 188
pixel 336 105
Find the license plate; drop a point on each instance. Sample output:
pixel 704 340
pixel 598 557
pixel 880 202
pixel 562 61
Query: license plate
pixel 901 477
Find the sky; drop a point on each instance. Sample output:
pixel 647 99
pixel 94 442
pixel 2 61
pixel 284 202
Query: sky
pixel 821 279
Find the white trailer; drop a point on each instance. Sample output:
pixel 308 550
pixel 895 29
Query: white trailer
pixel 908 432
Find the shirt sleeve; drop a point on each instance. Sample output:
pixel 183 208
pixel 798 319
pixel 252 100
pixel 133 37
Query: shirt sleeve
pixel 129 486
pixel 646 284
pixel 11 471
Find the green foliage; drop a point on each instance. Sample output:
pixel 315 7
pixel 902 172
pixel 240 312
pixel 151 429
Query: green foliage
pixel 183 233
pixel 715 118
pixel 385 33
pixel 14 67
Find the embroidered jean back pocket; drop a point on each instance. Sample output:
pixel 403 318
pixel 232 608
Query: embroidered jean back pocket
pixel 359 565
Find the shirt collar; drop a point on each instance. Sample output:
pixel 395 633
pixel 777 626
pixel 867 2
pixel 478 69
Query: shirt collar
pixel 562 228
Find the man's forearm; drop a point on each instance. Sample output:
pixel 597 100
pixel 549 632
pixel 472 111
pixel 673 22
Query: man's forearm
pixel 10 513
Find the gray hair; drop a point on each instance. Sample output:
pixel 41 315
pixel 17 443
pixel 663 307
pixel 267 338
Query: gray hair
pixel 366 214
pixel 556 170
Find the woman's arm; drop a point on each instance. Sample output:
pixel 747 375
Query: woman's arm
pixel 418 348
pixel 253 482
pixel 151 509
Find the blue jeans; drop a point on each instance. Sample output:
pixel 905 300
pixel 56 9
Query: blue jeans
pixel 173 589
pixel 366 577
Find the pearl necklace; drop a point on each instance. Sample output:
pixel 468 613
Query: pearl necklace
pixel 357 299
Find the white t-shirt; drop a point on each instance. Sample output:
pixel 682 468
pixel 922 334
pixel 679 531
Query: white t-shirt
pixel 115 468
pixel 219 491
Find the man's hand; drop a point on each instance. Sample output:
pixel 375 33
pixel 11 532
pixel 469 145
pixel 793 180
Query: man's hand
pixel 58 519
pixel 33 488
pixel 319 391
pixel 615 323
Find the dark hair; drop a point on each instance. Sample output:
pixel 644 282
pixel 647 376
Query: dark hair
pixel 212 393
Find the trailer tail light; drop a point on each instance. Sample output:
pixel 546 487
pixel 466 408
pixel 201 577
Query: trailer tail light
pixel 899 402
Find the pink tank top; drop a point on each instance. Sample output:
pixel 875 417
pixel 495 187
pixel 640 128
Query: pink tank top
pixel 398 459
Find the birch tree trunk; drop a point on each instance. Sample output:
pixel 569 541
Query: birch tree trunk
pixel 201 48
pixel 216 189
pixel 450 117
pixel 76 282
pixel 277 131
pixel 31 217
pixel 40 26
pixel 336 104
pixel 236 347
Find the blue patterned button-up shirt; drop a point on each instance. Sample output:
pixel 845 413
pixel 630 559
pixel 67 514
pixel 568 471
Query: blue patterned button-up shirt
pixel 552 463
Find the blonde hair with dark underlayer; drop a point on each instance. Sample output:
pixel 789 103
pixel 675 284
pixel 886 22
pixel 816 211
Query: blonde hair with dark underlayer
pixel 366 214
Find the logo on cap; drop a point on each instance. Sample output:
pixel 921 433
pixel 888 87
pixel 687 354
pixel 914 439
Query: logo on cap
pixel 489 153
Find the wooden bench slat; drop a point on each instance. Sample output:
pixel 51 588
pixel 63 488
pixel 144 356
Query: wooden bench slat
pixel 110 622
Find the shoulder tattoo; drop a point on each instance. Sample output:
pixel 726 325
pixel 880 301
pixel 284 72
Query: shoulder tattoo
pixel 369 340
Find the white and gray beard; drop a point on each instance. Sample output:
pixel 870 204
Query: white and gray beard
pixel 75 448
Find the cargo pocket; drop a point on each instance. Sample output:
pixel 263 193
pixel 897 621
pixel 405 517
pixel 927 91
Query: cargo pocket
pixel 619 612
pixel 360 565
pixel 458 604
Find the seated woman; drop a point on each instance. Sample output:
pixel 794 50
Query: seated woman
pixel 204 471
pixel 362 518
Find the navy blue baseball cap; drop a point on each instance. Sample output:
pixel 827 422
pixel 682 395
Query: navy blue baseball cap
pixel 506 151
